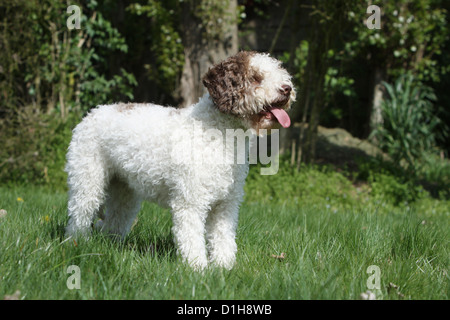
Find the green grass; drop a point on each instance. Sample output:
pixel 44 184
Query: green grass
pixel 327 254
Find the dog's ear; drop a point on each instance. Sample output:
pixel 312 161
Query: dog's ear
pixel 228 82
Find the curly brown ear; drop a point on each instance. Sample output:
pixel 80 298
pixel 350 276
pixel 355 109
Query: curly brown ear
pixel 228 81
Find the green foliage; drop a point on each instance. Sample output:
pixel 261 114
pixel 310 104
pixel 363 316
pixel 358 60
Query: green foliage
pixel 34 148
pixel 409 122
pixel 377 184
pixel 390 189
pixel 298 60
pixel 96 85
pixel 214 17
pixel 434 174
pixel 316 184
pixel 411 36
pixel 51 76
pixel 166 45
pixel 54 68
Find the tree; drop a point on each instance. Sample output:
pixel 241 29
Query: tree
pixel 158 55
pixel 186 38
pixel 341 48
pixel 317 78
pixel 209 33
pixel 410 38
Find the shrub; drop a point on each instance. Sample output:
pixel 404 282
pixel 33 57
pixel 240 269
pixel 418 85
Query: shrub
pixel 388 188
pixel 378 185
pixel 49 76
pixel 312 184
pixel 53 68
pixel 34 147
pixel 408 128
pixel 434 175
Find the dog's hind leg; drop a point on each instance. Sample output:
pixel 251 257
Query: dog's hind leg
pixel 122 206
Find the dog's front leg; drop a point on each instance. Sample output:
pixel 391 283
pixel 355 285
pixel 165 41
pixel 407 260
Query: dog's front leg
pixel 189 233
pixel 221 233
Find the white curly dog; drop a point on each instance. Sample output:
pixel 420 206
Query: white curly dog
pixel 122 154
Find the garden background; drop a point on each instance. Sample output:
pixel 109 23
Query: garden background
pixel 368 147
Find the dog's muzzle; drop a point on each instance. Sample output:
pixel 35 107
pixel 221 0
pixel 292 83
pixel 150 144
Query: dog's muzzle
pixel 275 110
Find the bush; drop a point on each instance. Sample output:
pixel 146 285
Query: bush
pixel 408 128
pixel 46 65
pixel 50 75
pixel 434 175
pixel 289 185
pixel 377 185
pixel 388 188
pixel 34 147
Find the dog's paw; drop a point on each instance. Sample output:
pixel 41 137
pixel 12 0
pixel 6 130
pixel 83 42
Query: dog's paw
pixel 77 233
pixel 197 264
pixel 222 262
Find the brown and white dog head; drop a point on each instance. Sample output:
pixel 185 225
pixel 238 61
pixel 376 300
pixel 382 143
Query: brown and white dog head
pixel 254 87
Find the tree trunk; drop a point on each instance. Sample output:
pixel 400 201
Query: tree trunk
pixel 376 117
pixel 201 50
pixel 316 68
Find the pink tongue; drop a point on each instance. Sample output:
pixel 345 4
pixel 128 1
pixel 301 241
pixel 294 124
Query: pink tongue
pixel 281 116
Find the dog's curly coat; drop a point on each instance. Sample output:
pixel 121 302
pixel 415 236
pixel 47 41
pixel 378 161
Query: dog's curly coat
pixel 122 154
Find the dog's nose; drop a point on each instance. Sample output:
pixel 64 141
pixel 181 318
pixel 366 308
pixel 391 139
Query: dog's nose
pixel 285 89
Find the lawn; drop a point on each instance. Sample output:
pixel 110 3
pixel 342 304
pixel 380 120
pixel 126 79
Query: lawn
pixel 286 251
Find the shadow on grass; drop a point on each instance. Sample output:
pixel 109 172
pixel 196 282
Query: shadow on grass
pixel 156 245
pixel 144 243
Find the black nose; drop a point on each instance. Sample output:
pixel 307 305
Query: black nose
pixel 285 89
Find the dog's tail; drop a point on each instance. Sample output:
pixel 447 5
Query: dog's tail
pixel 86 178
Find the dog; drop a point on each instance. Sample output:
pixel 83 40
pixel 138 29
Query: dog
pixel 122 154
